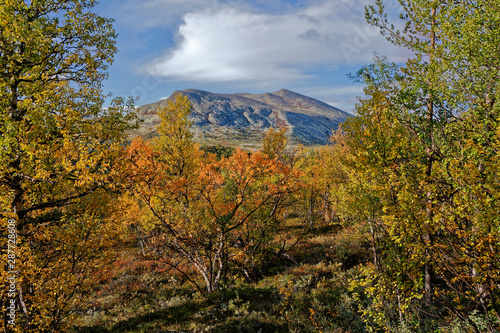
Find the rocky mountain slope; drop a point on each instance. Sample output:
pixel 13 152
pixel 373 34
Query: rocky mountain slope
pixel 241 119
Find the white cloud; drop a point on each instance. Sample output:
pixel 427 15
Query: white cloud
pixel 223 43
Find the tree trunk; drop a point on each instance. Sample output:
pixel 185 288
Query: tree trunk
pixel 430 160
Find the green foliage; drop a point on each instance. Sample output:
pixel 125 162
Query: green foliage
pixel 420 159
pixel 219 151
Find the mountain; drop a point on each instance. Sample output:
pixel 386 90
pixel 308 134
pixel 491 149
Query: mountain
pixel 240 119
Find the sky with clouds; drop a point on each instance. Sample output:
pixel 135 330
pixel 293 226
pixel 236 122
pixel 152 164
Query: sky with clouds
pixel 254 46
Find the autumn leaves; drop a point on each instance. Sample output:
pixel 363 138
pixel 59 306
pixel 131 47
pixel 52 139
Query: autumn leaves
pixel 218 215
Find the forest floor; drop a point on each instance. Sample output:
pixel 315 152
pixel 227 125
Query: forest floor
pixel 306 291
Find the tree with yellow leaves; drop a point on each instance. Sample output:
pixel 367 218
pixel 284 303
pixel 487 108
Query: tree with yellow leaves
pixel 59 149
pixel 274 142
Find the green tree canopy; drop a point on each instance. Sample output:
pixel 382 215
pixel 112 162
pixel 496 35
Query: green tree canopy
pixel 429 172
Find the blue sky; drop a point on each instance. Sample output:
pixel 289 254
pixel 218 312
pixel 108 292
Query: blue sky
pixel 253 46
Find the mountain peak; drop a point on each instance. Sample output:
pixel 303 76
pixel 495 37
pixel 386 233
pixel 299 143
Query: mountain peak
pixel 241 119
pixel 285 92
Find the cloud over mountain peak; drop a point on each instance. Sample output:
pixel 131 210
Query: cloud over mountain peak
pixel 229 43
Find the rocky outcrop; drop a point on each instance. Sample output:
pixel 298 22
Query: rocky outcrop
pixel 241 119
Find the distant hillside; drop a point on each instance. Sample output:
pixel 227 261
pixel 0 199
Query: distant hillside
pixel 241 119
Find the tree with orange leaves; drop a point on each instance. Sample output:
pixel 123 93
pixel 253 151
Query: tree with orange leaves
pixel 211 216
